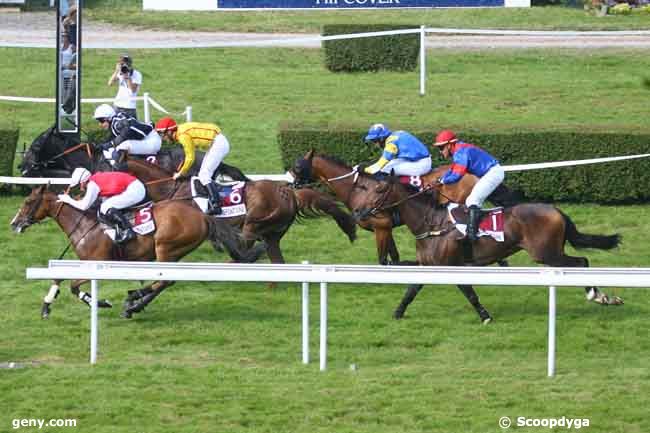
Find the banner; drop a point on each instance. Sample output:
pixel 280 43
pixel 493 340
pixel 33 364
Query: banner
pixel 316 4
pixel 351 4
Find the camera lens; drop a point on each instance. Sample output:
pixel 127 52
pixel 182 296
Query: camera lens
pixel 124 69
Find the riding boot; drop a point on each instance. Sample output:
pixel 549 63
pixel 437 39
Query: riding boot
pixel 123 230
pixel 472 225
pixel 214 203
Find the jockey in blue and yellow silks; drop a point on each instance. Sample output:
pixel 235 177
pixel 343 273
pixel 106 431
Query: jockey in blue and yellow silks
pixel 468 158
pixel 402 152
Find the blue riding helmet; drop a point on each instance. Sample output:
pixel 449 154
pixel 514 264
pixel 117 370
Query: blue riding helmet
pixel 378 131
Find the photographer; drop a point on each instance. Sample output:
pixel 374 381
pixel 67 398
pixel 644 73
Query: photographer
pixel 129 82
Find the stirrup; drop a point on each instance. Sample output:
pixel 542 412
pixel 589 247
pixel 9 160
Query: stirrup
pixel 213 209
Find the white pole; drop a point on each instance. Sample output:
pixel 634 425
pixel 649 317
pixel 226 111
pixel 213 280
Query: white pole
pixel 188 113
pixel 147 110
pixel 423 61
pixel 93 322
pixel 551 331
pixel 305 320
pixel 323 326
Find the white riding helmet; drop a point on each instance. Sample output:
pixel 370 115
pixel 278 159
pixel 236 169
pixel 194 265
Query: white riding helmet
pixel 104 111
pixel 79 175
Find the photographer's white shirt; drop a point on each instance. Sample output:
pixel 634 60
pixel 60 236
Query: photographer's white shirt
pixel 124 94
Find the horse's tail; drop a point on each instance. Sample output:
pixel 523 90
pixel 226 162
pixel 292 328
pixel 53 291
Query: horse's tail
pixel 582 240
pixel 314 204
pixel 231 239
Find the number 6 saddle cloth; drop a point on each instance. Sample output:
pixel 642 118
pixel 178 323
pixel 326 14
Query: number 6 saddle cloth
pixel 232 196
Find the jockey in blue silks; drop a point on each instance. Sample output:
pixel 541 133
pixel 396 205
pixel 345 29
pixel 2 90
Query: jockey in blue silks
pixel 468 158
pixel 402 152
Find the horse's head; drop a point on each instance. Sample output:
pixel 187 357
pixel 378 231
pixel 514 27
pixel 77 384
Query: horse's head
pixel 34 209
pixel 302 169
pixel 44 155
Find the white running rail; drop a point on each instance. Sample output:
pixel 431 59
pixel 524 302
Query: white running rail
pixel 324 274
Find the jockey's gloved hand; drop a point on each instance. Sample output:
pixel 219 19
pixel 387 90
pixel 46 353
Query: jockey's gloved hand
pixel 361 167
pixel 105 146
pixel 63 198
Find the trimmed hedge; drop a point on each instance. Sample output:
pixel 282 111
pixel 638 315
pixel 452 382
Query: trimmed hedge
pixel 392 53
pixel 611 183
pixel 8 142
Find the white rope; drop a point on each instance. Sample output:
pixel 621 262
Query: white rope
pixel 524 167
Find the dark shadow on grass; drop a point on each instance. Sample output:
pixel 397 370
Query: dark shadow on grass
pixel 161 313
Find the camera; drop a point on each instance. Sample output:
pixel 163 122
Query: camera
pixel 125 69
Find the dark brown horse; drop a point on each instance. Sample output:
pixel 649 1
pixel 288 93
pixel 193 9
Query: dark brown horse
pixel 352 189
pixel 271 206
pixel 180 228
pixel 541 230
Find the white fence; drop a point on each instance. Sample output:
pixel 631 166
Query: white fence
pixel 324 274
pixel 146 99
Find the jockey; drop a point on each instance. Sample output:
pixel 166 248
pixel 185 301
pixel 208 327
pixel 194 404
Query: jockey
pixel 117 190
pixel 468 158
pixel 128 134
pixel 204 136
pixel 402 152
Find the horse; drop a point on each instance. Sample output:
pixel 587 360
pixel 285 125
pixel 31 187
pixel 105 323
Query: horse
pixel 542 230
pixel 271 206
pixel 351 188
pixel 53 154
pixel 180 229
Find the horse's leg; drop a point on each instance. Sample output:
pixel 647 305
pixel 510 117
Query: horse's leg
pixel 392 249
pixel 411 292
pixel 85 297
pixel 386 246
pixel 473 299
pixel 133 296
pixel 157 288
pixel 274 252
pixel 48 300
pixel 592 293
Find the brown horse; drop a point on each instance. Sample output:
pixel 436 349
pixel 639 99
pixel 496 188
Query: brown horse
pixel 271 206
pixel 180 229
pixel 352 189
pixel 541 230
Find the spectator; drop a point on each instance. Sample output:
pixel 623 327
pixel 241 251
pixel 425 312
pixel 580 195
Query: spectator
pixel 128 81
pixel 69 74
pixel 70 25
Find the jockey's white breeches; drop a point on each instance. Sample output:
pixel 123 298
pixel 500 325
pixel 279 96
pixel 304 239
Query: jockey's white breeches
pixel 217 152
pixel 485 185
pixel 149 145
pixel 404 167
pixel 132 195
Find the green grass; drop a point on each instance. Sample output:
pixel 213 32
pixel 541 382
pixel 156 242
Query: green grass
pixel 537 18
pixel 250 91
pixel 226 357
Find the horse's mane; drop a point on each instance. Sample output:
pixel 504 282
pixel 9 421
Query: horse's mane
pixel 334 159
pixel 155 169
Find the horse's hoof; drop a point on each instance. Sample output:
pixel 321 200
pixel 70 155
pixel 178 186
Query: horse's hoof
pixel 486 321
pixel 104 303
pixel 45 311
pixel 126 315
pixel 616 300
pixel 398 314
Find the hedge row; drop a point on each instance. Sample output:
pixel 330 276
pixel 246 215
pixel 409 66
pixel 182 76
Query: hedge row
pixel 8 142
pixel 610 183
pixel 393 53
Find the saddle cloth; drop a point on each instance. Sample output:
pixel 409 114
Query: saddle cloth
pixel 413 182
pixel 232 196
pixel 141 219
pixel 490 224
